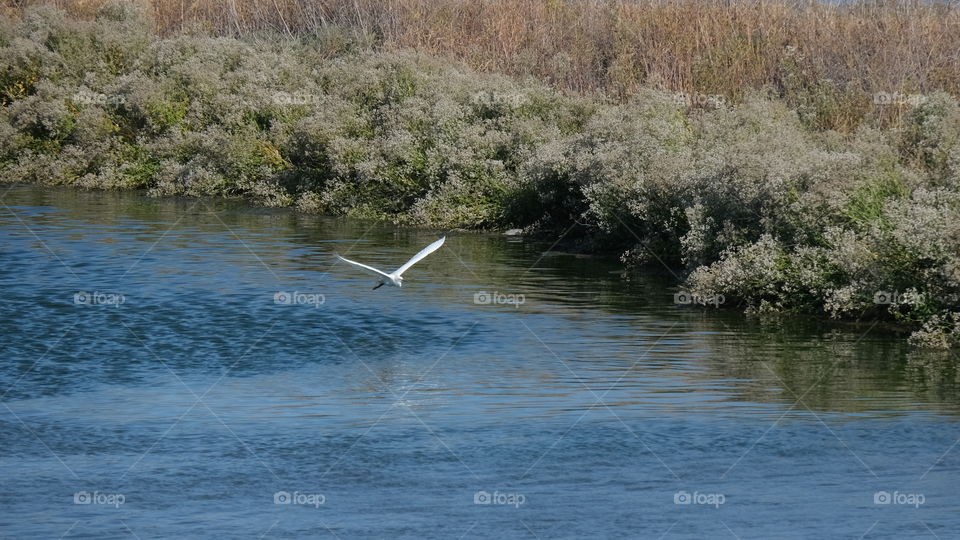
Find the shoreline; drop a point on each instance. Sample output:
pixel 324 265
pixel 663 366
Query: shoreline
pixel 749 200
pixel 662 273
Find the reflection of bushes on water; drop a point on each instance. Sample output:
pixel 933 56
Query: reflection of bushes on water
pixel 836 370
pixel 934 370
pixel 754 204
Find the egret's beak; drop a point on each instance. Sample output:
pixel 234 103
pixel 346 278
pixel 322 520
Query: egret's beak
pixel 381 284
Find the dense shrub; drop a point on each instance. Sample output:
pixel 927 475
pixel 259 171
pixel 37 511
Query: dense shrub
pixel 750 201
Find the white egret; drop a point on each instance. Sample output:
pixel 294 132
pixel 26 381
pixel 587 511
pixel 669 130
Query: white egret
pixel 395 278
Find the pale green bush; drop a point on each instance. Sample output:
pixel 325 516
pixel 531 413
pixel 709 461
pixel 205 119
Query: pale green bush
pixel 933 133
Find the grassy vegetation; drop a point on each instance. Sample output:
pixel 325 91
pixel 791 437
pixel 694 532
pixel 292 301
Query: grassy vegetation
pixel 751 199
pixel 829 61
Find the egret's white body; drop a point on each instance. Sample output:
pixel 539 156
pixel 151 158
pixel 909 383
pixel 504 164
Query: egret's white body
pixel 395 278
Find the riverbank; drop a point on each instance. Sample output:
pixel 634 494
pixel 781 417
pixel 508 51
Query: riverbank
pixel 749 201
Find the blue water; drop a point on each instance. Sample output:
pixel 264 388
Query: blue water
pixel 153 387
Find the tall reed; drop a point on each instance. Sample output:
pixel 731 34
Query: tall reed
pixel 831 61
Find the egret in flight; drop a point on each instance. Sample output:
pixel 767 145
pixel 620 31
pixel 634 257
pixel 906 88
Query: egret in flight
pixel 395 278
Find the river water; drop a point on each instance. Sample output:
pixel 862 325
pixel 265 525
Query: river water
pixel 198 368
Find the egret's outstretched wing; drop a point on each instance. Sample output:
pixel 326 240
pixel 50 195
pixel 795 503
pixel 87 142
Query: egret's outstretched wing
pixel 416 258
pixel 369 269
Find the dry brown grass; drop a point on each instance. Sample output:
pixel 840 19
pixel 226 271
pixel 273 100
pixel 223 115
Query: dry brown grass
pixel 827 59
